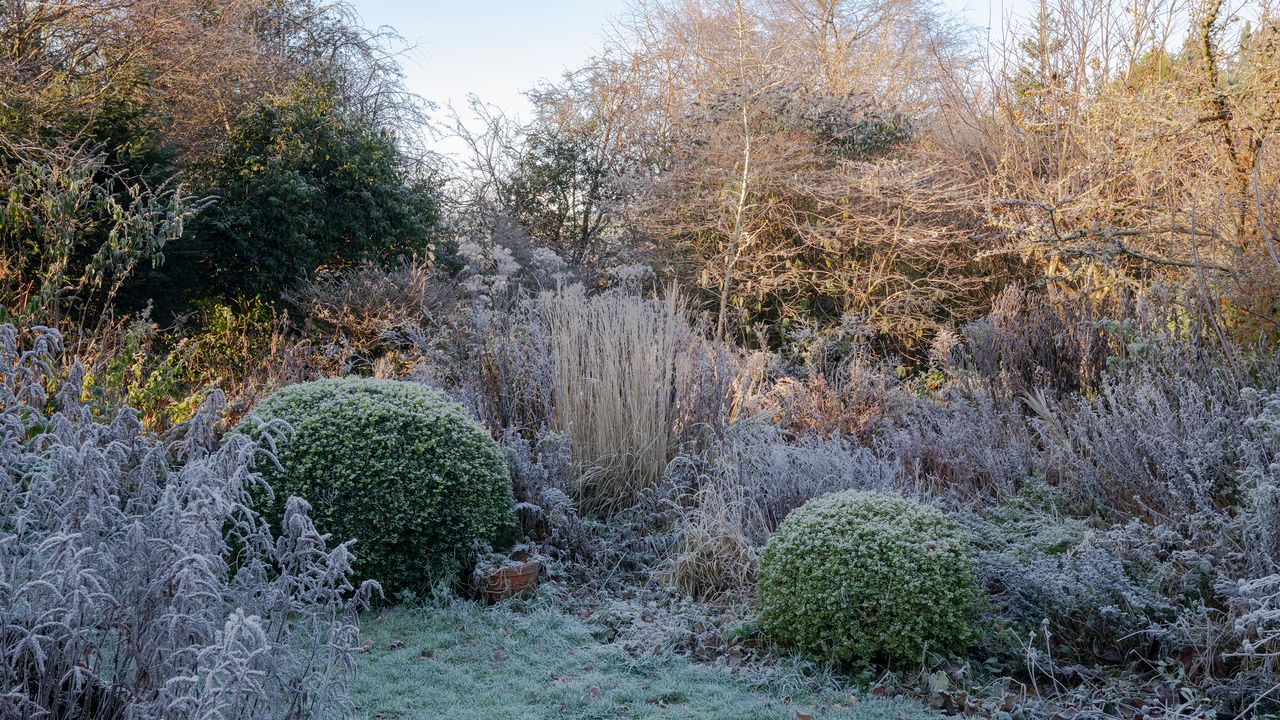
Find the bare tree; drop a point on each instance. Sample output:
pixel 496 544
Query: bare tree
pixel 196 64
pixel 780 133
pixel 1119 155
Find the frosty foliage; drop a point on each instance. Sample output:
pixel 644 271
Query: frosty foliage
pixel 135 582
pixel 1256 605
pixel 396 466
pixel 1027 343
pixel 1149 444
pixel 782 475
pixel 1045 574
pixel 967 445
pixel 853 576
pixel 541 474
pixel 737 495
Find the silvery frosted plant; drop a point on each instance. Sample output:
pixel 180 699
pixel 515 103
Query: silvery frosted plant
pixel 1148 444
pixel 1256 605
pixel 964 445
pixel 135 579
pixel 738 493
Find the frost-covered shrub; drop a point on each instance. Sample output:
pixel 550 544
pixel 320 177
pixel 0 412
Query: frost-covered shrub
pixel 1255 603
pixel 858 576
pixel 1029 342
pixel 395 466
pixel 841 390
pixel 541 472
pixel 1148 445
pixel 965 446
pixel 741 488
pixel 368 307
pixel 1043 572
pixel 780 475
pixel 136 581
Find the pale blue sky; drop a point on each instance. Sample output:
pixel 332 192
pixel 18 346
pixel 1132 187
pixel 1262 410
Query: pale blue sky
pixel 496 49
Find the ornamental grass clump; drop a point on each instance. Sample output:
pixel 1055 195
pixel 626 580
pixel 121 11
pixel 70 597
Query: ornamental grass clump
pixel 395 466
pixel 857 577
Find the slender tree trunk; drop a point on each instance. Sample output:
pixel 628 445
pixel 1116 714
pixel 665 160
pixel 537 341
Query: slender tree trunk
pixel 1220 111
pixel 734 246
pixel 735 240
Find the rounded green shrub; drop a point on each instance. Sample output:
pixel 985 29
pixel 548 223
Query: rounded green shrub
pixel 397 467
pixel 860 576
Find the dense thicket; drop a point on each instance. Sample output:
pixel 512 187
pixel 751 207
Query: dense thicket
pixel 815 165
pixel 122 120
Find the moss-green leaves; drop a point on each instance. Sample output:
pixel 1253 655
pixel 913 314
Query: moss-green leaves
pixel 857 576
pixel 394 465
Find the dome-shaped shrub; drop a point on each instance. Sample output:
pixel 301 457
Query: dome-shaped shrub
pixel 856 576
pixel 394 465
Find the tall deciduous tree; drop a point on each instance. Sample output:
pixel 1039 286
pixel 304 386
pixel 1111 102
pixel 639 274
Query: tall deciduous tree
pixel 793 182
pixel 564 186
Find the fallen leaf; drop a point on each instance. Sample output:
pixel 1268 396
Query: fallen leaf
pixel 938 682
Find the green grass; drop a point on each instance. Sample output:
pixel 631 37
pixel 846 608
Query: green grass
pixel 517 661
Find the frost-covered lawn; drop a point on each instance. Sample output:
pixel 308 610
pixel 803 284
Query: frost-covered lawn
pixel 468 662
